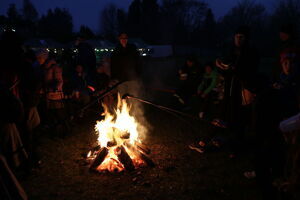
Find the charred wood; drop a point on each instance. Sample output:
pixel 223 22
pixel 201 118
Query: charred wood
pixel 144 157
pixel 143 148
pixel 99 158
pixel 125 159
pixel 125 136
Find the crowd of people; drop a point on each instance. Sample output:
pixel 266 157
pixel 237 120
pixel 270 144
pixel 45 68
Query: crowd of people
pixel 250 100
pixel 41 94
pixel 38 92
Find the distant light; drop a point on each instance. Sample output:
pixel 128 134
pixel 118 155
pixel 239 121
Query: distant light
pixel 106 49
pixel 102 50
pixel 111 50
pixel 13 30
pixel 144 54
pixel 48 49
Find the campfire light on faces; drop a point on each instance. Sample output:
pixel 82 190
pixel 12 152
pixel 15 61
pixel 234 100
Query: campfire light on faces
pixel 119 145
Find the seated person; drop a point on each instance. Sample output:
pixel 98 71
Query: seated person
pixel 190 77
pixel 206 88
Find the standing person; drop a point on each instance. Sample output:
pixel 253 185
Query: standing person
pixel 53 86
pixel 81 83
pixel 30 88
pixel 239 68
pixel 125 66
pixel 125 61
pixel 38 69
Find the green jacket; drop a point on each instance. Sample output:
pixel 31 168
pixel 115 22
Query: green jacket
pixel 209 82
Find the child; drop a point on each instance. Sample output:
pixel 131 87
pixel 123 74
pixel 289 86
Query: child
pixel 286 86
pixel 205 89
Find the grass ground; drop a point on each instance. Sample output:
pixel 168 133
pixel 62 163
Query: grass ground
pixel 180 173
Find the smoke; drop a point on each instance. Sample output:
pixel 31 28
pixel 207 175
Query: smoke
pixel 135 88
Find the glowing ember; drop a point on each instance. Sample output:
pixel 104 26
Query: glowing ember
pixel 117 137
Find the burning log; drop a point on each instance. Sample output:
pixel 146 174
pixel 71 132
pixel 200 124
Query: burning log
pixel 99 159
pixel 142 147
pixel 140 154
pixel 96 148
pixel 114 131
pixel 125 158
pixel 147 160
pixel 111 143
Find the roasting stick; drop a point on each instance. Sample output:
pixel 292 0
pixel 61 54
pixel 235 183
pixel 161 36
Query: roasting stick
pixel 101 96
pixel 174 112
pixel 159 106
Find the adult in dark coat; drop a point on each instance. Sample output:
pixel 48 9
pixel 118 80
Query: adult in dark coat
pixel 125 61
pixel 239 67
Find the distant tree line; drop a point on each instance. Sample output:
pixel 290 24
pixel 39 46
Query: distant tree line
pixel 56 23
pixel 192 22
pixel 179 22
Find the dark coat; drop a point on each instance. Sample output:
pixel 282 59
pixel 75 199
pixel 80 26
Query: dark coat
pixel 241 74
pixel 125 63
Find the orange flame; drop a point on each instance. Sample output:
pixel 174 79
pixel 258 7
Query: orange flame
pixel 113 131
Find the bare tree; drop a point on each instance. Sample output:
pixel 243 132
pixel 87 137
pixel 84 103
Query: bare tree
pixel 29 12
pixel 109 22
pixel 246 12
pixel 180 18
pixel 287 11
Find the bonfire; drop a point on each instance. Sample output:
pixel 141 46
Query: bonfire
pixel 119 145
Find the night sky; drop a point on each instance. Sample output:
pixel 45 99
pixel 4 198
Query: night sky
pixel 87 12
